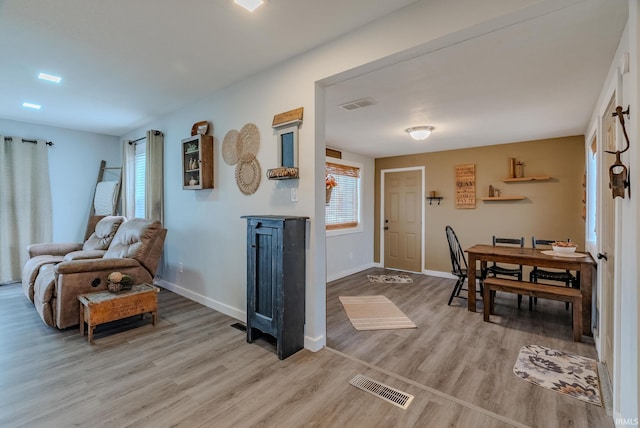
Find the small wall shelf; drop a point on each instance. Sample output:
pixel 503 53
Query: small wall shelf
pixel 434 198
pixel 504 198
pixel 537 178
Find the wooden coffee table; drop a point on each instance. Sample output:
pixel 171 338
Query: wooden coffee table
pixel 103 306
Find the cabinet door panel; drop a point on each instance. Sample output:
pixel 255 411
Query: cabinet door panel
pixel 264 273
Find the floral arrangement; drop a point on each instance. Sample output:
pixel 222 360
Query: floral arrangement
pixel 119 282
pixel 330 181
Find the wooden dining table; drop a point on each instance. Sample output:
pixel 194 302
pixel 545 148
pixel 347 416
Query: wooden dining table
pixel 584 264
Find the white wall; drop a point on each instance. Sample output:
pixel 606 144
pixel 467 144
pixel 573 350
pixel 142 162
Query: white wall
pixel 206 232
pixel 353 252
pixel 629 234
pixel 626 327
pixel 74 162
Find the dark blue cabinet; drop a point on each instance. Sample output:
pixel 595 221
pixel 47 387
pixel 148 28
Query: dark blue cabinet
pixel 276 280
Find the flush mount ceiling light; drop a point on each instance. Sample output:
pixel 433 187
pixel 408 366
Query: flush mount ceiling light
pixel 419 132
pixel 49 77
pixel 250 5
pixel 31 105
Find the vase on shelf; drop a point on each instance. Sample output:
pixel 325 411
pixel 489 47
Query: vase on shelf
pixel 519 170
pixel 328 195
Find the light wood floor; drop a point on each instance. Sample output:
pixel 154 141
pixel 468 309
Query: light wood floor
pixel 456 353
pixel 194 370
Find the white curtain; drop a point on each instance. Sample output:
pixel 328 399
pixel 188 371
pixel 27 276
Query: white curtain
pixel 154 203
pixel 25 202
pixel 128 179
pixel 154 177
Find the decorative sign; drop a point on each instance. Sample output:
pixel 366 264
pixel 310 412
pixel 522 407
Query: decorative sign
pixel 466 186
pixel 287 117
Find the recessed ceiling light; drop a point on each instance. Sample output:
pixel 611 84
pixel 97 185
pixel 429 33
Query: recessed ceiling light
pixel 31 105
pixel 250 5
pixel 49 77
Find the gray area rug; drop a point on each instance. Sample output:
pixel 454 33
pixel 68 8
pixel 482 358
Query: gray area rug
pixel 568 374
pixel 390 279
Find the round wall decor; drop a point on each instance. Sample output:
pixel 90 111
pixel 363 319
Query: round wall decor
pixel 248 176
pixel 248 142
pixel 230 147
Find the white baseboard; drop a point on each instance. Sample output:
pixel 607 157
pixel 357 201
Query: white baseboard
pixel 440 274
pixel 204 300
pixel 313 344
pixel 351 271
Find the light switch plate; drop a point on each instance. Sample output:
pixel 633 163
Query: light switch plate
pixel 294 194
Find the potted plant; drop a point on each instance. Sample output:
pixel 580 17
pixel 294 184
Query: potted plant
pixel 330 183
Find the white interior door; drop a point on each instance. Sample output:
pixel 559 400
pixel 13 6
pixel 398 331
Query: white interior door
pixel 606 238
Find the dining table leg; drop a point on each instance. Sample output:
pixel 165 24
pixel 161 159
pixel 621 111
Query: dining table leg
pixel 585 288
pixel 471 278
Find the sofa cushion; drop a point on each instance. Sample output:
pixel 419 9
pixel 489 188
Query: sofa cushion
pixel 105 230
pixel 134 239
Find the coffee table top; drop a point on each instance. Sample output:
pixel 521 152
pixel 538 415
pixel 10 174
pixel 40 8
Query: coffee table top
pixel 106 295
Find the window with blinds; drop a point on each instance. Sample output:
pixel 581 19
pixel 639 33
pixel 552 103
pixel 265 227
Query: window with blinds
pixel 343 209
pixel 140 180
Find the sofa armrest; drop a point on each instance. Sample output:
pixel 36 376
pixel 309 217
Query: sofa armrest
pixel 95 265
pixel 53 249
pixel 82 255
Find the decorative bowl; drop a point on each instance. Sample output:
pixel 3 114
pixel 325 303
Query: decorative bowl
pixel 114 287
pixel 564 247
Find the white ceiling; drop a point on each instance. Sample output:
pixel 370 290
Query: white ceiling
pixel 125 63
pixel 532 80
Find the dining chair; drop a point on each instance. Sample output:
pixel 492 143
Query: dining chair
pixel 501 270
pixel 459 265
pixel 559 276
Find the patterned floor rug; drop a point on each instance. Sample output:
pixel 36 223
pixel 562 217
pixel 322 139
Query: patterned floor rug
pixel 561 372
pixel 390 279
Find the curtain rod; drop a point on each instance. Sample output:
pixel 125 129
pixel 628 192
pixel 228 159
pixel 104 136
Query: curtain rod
pixel 144 138
pixel 24 140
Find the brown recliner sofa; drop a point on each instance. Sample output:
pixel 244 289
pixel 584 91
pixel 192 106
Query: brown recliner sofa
pixel 100 233
pixel 135 250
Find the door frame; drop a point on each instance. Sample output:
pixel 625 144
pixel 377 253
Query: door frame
pixel 383 172
pixel 613 89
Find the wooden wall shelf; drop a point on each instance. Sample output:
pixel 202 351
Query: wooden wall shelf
pixel 434 198
pixel 537 178
pixel 504 198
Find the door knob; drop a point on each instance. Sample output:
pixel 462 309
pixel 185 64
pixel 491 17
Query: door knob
pixel 602 256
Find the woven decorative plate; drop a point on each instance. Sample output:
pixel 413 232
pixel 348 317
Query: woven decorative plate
pixel 230 148
pixel 248 142
pixel 248 176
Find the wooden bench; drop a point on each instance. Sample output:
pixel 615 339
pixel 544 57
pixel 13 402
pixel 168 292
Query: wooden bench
pixel 543 291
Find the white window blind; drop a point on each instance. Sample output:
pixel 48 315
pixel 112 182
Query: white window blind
pixel 140 180
pixel 343 210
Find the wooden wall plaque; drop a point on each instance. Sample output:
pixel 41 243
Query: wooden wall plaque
pixel 287 117
pixel 466 186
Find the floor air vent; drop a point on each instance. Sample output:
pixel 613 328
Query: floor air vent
pixel 392 395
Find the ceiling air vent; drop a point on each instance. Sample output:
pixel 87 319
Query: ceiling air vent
pixel 354 105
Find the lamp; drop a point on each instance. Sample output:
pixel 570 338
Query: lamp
pixel 419 132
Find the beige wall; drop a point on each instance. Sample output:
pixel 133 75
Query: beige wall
pixel 552 209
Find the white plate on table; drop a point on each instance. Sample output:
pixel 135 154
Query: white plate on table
pixel 554 253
